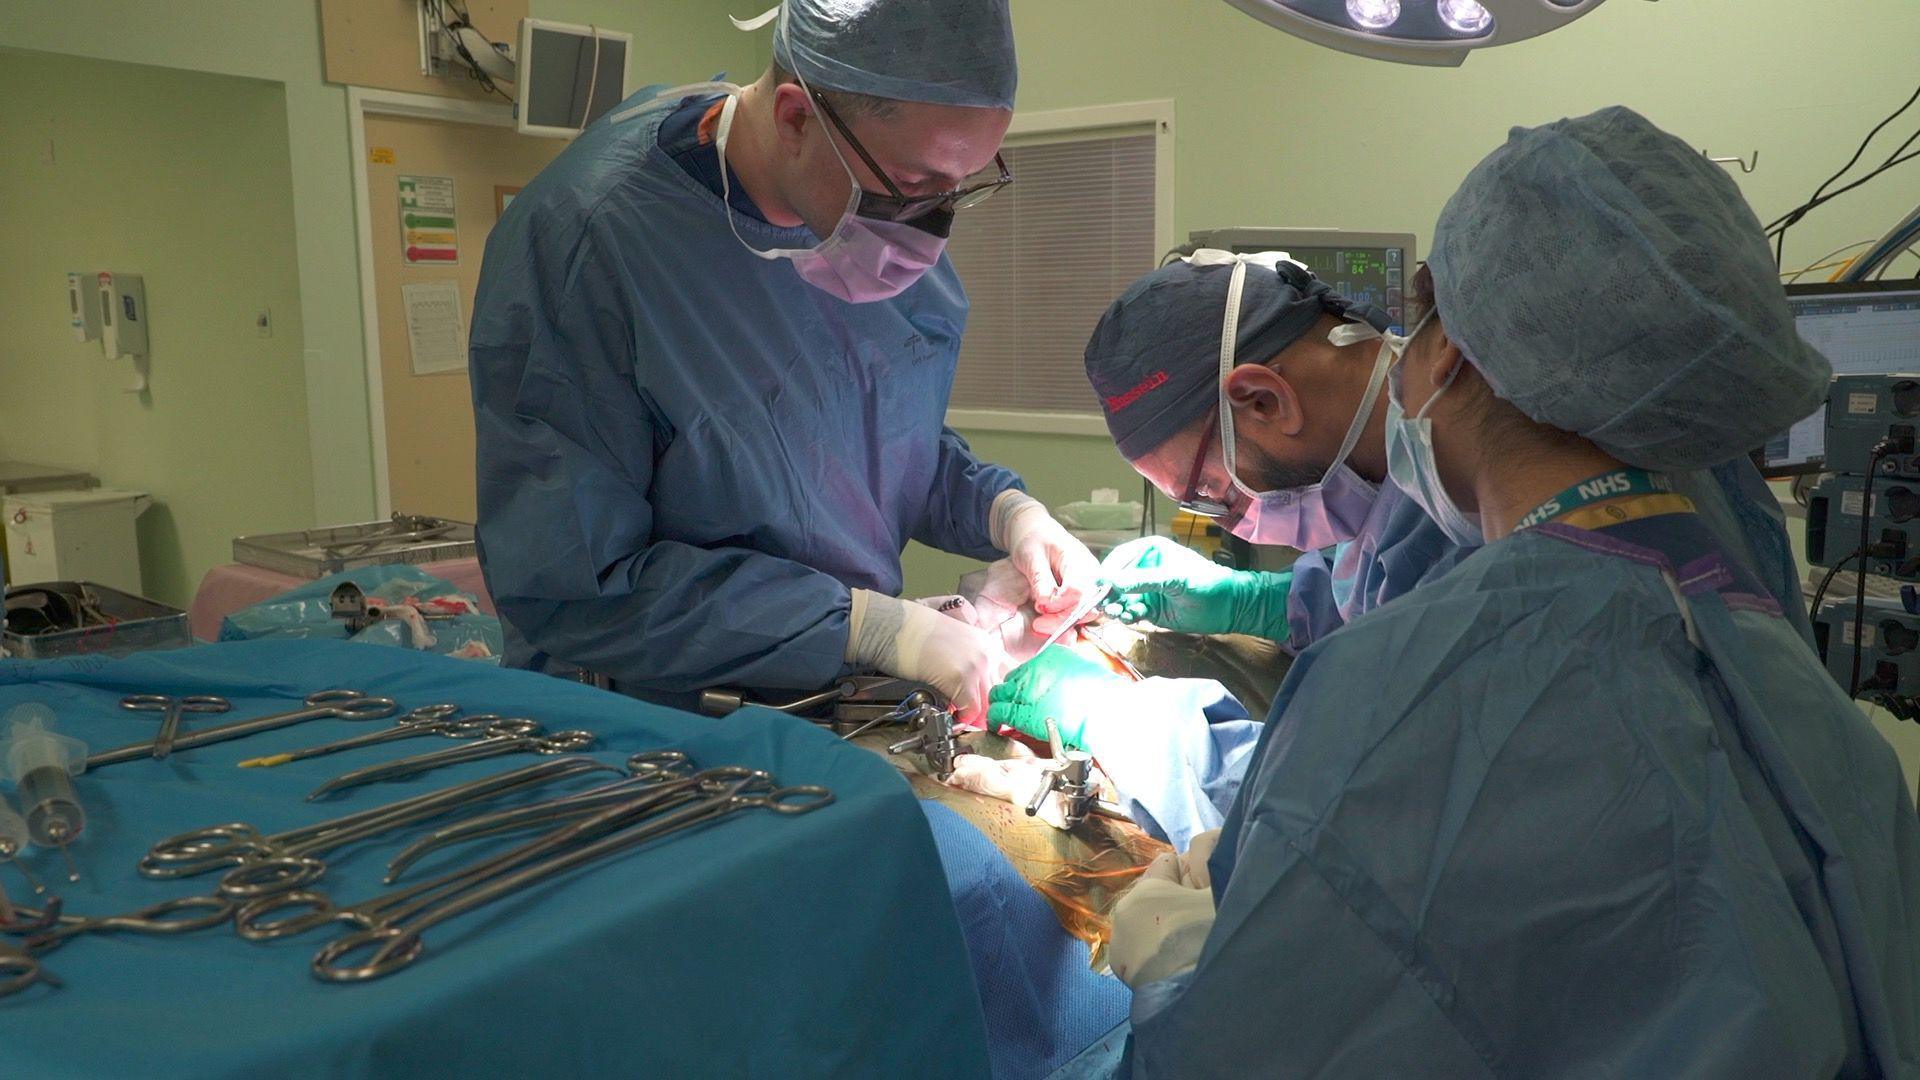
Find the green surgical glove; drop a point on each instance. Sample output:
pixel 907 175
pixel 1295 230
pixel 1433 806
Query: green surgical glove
pixel 1057 683
pixel 1176 588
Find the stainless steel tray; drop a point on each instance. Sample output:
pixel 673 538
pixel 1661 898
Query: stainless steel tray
pixel 134 624
pixel 315 553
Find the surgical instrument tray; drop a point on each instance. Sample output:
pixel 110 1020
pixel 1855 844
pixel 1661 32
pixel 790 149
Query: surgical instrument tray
pixel 315 553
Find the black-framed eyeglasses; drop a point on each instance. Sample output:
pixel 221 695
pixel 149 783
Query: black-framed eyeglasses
pixel 1190 499
pixel 899 206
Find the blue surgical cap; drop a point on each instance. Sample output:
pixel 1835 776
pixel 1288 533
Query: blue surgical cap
pixel 1154 358
pixel 946 52
pixel 1610 281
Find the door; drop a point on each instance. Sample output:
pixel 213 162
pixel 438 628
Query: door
pixel 429 416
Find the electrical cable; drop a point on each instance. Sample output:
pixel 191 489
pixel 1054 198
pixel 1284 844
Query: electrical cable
pixel 1813 609
pixel 593 80
pixel 1912 249
pixel 1816 198
pixel 463 22
pixel 1880 450
pixel 1787 221
pixel 1821 263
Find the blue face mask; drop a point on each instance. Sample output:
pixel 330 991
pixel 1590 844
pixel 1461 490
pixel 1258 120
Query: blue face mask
pixel 1410 461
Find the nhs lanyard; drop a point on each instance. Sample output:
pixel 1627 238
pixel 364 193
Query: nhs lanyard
pixel 1619 484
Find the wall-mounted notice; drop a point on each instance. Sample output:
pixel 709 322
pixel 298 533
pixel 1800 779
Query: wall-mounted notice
pixel 435 335
pixel 428 231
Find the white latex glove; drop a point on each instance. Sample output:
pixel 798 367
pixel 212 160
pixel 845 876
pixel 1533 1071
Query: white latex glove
pixel 1012 779
pixel 916 642
pixel 1059 569
pixel 1161 923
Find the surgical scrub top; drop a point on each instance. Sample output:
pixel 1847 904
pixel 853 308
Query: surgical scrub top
pixel 687 455
pixel 1606 816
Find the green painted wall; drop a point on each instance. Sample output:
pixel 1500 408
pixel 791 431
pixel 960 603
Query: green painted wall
pixel 184 178
pixel 676 41
pixel 228 409
pixel 1271 130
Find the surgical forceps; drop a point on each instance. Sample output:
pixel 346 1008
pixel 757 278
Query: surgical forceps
pixel 559 742
pixel 172 708
pixel 263 865
pixel 49 929
pixel 413 725
pixel 397 943
pixel 20 969
pixel 650 772
pixel 327 704
pixel 252 923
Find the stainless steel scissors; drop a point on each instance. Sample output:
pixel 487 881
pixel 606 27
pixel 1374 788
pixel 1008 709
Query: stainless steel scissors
pixel 431 720
pixel 173 708
pixel 325 705
pixel 396 944
pixel 559 742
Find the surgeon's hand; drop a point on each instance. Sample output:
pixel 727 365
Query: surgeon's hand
pixel 1059 569
pixel 916 642
pixel 1161 924
pixel 1176 588
pixel 1058 683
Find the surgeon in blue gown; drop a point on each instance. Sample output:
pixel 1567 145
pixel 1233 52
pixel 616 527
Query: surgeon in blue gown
pixel 1284 441
pixel 1585 804
pixel 709 398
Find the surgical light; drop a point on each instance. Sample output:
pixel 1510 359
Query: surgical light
pixel 1373 14
pixel 1464 16
pixel 1430 32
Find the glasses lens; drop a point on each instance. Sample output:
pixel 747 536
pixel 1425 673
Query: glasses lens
pixel 975 197
pixel 1205 508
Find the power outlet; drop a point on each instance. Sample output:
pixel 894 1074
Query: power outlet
pixel 263 323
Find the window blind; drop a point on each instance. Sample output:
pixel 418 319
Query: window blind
pixel 1042 260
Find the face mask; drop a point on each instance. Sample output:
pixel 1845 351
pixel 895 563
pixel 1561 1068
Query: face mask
pixel 1307 519
pixel 1410 459
pixel 864 259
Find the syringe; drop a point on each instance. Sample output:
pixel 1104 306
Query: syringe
pixel 41 764
pixel 13 840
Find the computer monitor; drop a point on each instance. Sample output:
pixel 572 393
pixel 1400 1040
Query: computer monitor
pixel 1366 266
pixel 1863 328
pixel 568 75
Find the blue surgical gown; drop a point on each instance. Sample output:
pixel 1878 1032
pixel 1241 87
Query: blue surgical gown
pixel 1584 829
pixel 687 455
pixel 1179 753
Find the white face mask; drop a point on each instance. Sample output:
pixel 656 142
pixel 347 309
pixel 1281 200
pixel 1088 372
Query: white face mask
pixel 1332 511
pixel 863 259
pixel 1411 464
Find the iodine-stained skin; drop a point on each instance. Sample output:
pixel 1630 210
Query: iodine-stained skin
pixel 1082 872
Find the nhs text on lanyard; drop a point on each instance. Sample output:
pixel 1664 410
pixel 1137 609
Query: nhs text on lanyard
pixel 1613 485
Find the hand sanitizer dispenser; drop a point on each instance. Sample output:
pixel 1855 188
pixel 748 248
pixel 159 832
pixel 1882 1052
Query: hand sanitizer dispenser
pixel 122 302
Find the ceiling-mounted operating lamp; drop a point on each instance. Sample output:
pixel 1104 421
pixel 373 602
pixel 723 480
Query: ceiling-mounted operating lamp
pixel 1435 32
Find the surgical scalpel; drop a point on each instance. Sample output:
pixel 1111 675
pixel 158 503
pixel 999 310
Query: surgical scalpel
pixel 1080 611
pixel 559 742
pixel 325 705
